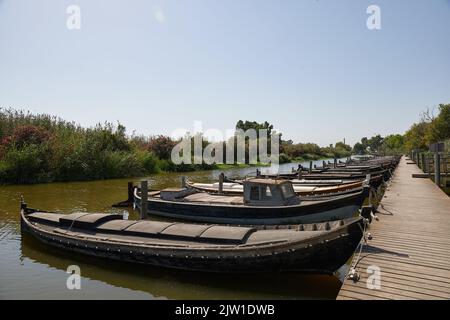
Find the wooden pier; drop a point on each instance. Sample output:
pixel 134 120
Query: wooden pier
pixel 410 245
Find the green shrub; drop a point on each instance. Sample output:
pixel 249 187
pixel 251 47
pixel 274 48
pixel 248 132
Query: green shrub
pixel 149 162
pixel 284 158
pixel 25 165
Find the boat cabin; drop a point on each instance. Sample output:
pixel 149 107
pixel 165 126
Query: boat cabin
pixel 269 192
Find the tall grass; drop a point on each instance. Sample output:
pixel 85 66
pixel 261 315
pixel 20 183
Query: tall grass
pixel 41 148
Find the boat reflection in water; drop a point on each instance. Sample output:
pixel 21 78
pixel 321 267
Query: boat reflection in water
pixel 155 283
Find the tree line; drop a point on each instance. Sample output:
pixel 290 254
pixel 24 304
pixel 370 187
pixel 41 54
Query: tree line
pixel 37 148
pixel 431 128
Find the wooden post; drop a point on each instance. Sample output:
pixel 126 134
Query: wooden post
pixel 428 166
pixel 221 177
pixel 423 162
pixel 445 164
pixel 183 182
pixel 300 172
pixel 437 169
pixel 144 198
pixel 335 163
pixel 310 166
pixel 130 189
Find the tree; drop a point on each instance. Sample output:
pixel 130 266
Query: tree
pixel 342 146
pixel 359 148
pixel 439 129
pixel 255 125
pixel 393 144
pixel 393 141
pixel 161 146
pixel 365 143
pixel 415 137
pixel 375 143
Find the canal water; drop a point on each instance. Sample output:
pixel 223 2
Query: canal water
pixel 31 270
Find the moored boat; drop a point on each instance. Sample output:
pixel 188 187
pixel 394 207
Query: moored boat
pixel 264 201
pixel 237 188
pixel 316 248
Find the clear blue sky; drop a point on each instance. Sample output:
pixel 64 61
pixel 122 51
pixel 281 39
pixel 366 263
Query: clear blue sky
pixel 312 68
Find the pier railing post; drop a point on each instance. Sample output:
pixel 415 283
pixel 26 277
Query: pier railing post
pixel 423 162
pixel 445 165
pixel 335 163
pixel 144 199
pixel 437 169
pixel 310 166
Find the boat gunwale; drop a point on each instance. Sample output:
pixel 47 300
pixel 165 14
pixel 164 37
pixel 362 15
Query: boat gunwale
pixel 302 204
pixel 326 235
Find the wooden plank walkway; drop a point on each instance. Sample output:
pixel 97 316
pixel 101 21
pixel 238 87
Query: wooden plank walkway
pixel 410 245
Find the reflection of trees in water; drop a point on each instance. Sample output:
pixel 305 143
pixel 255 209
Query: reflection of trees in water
pixel 174 284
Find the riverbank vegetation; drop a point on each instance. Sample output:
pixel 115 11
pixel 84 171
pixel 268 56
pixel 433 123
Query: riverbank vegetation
pixel 431 128
pixel 37 148
pixel 299 152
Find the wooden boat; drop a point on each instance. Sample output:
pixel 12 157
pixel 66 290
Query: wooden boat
pixel 300 182
pixel 301 190
pixel 375 179
pixel 350 170
pixel 264 201
pixel 316 248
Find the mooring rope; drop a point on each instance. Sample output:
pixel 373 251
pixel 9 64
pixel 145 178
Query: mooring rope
pixel 73 222
pixel 352 274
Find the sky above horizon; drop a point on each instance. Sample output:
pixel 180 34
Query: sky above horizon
pixel 312 68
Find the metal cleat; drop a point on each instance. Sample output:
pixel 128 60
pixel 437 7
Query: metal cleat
pixel 353 275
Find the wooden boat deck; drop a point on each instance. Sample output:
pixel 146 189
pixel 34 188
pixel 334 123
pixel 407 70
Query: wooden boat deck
pixel 411 243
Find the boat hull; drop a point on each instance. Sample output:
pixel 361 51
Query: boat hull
pixel 338 208
pixel 322 255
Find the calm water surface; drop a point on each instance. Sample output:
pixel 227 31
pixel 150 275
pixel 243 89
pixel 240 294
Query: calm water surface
pixel 31 270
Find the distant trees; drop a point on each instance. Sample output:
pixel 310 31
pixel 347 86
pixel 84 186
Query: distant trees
pixel 42 148
pixel 245 125
pixel 161 146
pixel 368 145
pixel 415 136
pixel 359 148
pixel 430 129
pixel 311 151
